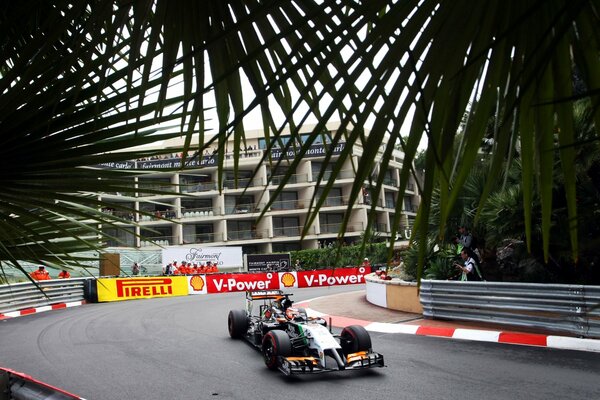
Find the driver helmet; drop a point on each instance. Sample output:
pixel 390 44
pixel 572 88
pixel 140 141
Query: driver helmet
pixel 291 313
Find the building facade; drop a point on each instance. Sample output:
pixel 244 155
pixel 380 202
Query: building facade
pixel 202 215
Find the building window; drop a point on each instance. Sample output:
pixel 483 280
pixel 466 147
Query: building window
pixel 389 200
pixel 161 235
pixel 286 247
pixel 286 226
pixel 244 179
pixel 239 204
pixel 240 230
pixel 285 201
pixel 334 197
pixel 118 237
pixel 390 178
pixel 330 223
pixel 317 167
pixel 199 233
pixel 195 183
pixel 408 205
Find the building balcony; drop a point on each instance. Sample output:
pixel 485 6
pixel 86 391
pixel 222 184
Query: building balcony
pixel 381 228
pixel 390 182
pixel 158 241
pixel 335 228
pixel 410 208
pixel 125 215
pixel 203 212
pixel 243 209
pixel 344 174
pixel 296 178
pixel 144 191
pixel 242 183
pixel 287 205
pixel 335 202
pixel 158 215
pixel 203 238
pixel 120 243
pixel 246 234
pixel 198 187
pixel 287 231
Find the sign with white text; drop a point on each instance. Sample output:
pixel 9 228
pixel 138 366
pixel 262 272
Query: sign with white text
pixel 223 257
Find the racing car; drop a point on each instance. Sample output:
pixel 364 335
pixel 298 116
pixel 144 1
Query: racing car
pixel 294 343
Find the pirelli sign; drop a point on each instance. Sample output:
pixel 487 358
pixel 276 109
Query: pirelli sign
pixel 117 289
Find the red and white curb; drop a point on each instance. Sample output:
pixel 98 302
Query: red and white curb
pixel 520 338
pixel 35 310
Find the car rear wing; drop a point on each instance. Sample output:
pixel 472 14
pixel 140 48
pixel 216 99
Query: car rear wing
pixel 266 295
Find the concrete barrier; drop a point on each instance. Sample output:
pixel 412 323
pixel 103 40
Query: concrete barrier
pixel 394 294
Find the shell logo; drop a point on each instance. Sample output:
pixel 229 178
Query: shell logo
pixel 197 283
pixel 288 279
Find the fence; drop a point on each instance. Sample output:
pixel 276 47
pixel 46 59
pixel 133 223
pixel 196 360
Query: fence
pixel 18 296
pixel 573 309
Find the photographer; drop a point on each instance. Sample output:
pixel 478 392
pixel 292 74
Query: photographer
pixel 468 269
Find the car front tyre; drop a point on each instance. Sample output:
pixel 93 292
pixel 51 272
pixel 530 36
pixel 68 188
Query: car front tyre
pixel 275 344
pixel 355 338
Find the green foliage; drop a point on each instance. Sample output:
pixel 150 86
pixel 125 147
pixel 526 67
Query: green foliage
pixel 84 80
pixel 340 257
pixel 441 267
pixel 439 260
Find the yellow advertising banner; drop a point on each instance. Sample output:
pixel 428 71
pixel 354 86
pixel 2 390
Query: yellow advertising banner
pixel 117 289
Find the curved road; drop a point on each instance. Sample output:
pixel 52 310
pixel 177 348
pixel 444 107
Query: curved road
pixel 179 348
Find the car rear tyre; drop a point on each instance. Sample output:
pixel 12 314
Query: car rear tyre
pixel 237 322
pixel 355 338
pixel 275 344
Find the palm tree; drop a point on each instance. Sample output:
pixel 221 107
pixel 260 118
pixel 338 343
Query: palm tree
pixel 82 80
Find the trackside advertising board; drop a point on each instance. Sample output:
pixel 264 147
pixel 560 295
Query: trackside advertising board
pixel 241 282
pixel 117 289
pixel 224 257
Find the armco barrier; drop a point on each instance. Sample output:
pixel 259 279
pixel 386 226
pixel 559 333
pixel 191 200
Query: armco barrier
pixel 18 296
pixel 18 386
pixel 573 309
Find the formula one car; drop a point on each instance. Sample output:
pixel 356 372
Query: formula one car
pixel 294 343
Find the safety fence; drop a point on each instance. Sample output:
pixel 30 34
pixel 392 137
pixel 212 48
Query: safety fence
pixel 18 296
pixel 26 295
pixel 18 386
pixel 572 309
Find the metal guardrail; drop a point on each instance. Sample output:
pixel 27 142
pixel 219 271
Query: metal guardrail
pixel 19 296
pixel 573 309
pixel 18 386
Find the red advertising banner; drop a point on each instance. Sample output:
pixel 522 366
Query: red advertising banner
pixel 332 277
pixel 241 282
pixel 223 283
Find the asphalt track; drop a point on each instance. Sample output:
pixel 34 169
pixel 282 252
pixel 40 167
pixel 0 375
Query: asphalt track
pixel 178 348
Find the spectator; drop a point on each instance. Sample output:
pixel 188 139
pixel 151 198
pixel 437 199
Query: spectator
pixel 465 237
pixel 135 269
pixel 298 265
pixel 64 274
pixel 41 274
pixel 366 264
pixel 365 193
pixel 469 244
pixel 458 244
pixel 467 268
pixel 168 269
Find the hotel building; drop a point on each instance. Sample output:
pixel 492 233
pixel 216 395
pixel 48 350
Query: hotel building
pixel 202 215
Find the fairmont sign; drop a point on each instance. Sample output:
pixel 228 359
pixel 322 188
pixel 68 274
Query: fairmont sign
pixel 316 150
